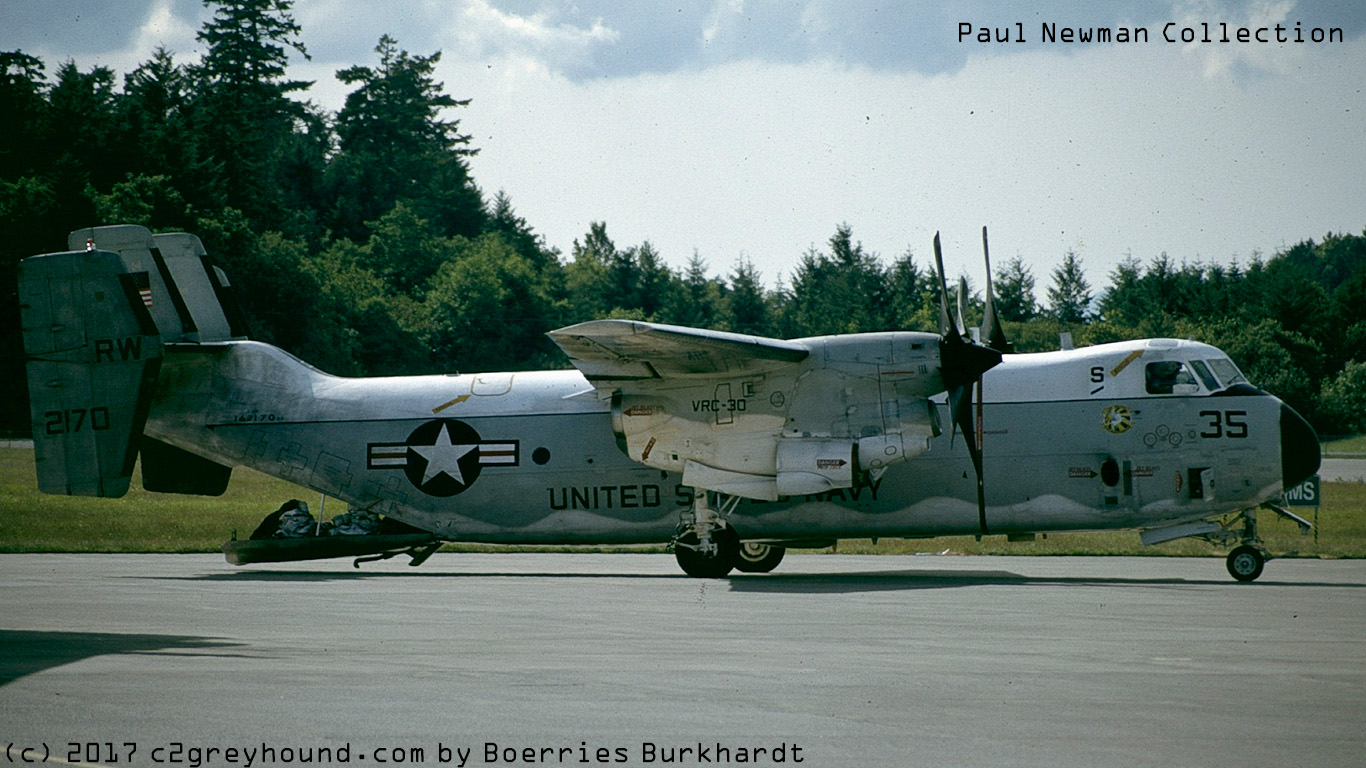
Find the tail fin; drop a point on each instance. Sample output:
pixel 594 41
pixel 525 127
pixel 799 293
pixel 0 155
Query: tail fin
pixel 95 321
pixel 93 354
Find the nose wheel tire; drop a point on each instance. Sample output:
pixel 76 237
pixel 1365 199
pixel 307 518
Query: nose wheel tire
pixel 1245 563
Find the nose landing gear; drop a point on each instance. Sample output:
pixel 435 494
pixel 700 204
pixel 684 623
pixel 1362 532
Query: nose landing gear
pixel 1246 561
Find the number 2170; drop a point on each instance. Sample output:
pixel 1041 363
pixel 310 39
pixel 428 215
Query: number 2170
pixel 76 419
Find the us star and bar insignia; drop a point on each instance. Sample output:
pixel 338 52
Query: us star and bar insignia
pixel 443 457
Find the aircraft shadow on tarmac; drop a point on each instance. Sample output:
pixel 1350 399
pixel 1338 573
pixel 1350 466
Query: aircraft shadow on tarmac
pixel 25 652
pixel 816 583
pixel 886 581
pixel 797 583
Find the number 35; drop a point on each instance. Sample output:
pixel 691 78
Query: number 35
pixel 1225 424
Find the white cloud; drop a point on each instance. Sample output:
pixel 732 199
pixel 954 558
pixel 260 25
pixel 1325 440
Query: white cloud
pixel 1110 151
pixel 484 31
pixel 1205 17
pixel 722 13
pixel 161 28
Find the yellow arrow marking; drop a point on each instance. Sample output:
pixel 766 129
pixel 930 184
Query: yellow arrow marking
pixel 448 404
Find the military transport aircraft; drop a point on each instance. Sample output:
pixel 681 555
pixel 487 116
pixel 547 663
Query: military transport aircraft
pixel 731 448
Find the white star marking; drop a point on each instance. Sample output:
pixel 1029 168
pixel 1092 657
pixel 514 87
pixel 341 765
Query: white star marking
pixel 443 457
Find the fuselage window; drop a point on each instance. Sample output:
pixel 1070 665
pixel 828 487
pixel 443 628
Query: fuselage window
pixel 1169 377
pixel 1226 371
pixel 1206 377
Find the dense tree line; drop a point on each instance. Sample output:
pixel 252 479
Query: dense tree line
pixel 359 240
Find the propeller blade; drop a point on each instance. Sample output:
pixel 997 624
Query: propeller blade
pixel 947 328
pixel 992 333
pixel 961 411
pixel 961 320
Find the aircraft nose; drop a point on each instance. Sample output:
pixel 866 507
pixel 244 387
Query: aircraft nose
pixel 1299 448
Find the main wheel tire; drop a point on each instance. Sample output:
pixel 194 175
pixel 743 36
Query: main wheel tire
pixel 700 566
pixel 753 557
pixel 1245 563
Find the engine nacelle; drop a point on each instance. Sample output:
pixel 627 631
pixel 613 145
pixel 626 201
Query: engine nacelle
pixel 814 466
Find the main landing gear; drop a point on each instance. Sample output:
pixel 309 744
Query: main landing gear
pixel 707 547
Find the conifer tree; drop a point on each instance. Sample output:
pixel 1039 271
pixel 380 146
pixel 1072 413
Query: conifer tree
pixel 1013 290
pixel 746 305
pixel 394 145
pixel 243 113
pixel 23 110
pixel 1069 297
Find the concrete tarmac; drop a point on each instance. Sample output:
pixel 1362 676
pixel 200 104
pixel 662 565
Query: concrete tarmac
pixel 1343 470
pixel 832 660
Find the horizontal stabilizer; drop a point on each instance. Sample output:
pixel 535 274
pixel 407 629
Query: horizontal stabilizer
pixel 187 296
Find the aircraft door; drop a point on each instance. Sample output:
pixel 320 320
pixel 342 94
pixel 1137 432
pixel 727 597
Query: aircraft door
pixel 491 384
pixel 1200 483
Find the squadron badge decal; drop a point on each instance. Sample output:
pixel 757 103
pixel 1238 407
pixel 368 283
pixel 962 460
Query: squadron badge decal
pixel 443 457
pixel 1116 419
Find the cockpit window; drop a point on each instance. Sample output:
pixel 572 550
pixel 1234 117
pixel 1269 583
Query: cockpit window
pixel 1206 377
pixel 1226 371
pixel 1169 376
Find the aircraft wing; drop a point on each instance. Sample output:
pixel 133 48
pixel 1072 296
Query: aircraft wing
pixel 631 350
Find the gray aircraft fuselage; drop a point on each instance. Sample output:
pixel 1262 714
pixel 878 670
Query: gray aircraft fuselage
pixel 1072 440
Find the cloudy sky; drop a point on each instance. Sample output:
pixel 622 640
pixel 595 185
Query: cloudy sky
pixel 752 128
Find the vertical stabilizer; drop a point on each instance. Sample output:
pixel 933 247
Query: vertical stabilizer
pixel 93 353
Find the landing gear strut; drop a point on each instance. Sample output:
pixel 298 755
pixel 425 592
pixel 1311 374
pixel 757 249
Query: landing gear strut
pixel 706 547
pixel 1246 561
